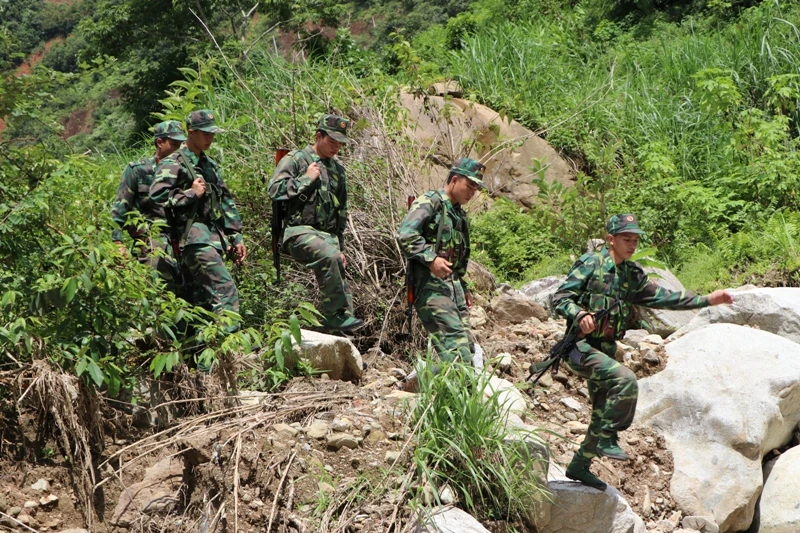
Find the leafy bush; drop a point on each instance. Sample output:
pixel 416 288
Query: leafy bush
pixel 509 240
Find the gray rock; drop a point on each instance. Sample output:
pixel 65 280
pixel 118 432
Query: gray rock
pixel 514 308
pixel 780 510
pixel 74 531
pixel 542 290
pixel 572 403
pixel 341 424
pixel 776 310
pixel 336 356
pixel 317 430
pixel 480 278
pixel 577 508
pixel 391 456
pixel 704 524
pixel 336 441
pixel 41 485
pixel 503 361
pixel 477 317
pixel 449 520
pixel 634 336
pixel 717 435
pixel 651 358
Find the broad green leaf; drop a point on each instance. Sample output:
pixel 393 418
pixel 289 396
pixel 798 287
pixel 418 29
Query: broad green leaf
pixel 294 326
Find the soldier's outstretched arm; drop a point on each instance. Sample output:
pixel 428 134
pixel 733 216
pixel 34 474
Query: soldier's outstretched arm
pixel 647 293
pixel 290 179
pixel 410 235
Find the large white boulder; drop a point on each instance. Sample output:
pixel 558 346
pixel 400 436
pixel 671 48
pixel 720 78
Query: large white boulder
pixel 577 508
pixel 664 321
pixel 509 398
pixel 780 499
pixel 776 310
pixel 336 356
pixel 728 395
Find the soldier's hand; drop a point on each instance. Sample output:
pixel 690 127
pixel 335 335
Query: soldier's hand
pixel 199 187
pixel 238 252
pixel 587 324
pixel 441 267
pixel 344 260
pixel 720 297
pixel 313 171
pixel 121 248
pixel 469 300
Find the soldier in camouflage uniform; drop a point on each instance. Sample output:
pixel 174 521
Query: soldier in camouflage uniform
pixel 133 196
pixel 189 184
pixel 596 282
pixel 313 185
pixel 435 238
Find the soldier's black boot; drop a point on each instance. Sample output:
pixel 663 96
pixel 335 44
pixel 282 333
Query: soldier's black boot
pixel 578 470
pixel 608 447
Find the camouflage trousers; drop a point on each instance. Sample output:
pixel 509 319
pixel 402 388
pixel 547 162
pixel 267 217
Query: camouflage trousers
pixel 215 289
pixel 157 254
pixel 320 252
pixel 613 392
pixel 442 308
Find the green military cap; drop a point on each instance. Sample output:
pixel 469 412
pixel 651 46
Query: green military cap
pixel 623 224
pixel 335 126
pixel 202 120
pixel 469 168
pixel 169 129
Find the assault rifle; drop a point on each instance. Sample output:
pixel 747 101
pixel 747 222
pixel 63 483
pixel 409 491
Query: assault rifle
pixel 563 347
pixel 278 222
pixel 410 296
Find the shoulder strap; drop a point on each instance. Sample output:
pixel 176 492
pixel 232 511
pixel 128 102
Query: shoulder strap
pixel 441 223
pixel 196 205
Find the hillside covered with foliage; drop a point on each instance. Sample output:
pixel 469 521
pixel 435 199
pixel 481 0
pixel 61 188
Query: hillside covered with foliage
pixel 683 112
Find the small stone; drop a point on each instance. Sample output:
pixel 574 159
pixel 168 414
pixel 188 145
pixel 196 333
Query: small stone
pixel 651 358
pixel 317 430
pixel 447 496
pixel 561 378
pixel 41 485
pixel 646 505
pixel 504 361
pixel 14 511
pixel 544 406
pixel 49 500
pixel 704 524
pixel 659 500
pixel 583 391
pixel 326 488
pixel 375 435
pixel 324 377
pixel 341 424
pixel 30 504
pixel 569 415
pixel 398 373
pixel 572 403
pixel 576 428
pixel 337 441
pixel 675 518
pixel 546 380
pixel 284 431
pixel 391 456
pixel 28 520
pixel 558 387
pixel 654 339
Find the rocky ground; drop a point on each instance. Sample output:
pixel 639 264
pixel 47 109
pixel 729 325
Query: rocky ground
pixel 329 452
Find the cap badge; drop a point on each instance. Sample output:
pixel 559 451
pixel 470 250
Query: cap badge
pixel 629 219
pixel 210 116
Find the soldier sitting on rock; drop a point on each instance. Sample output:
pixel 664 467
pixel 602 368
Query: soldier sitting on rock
pixel 609 280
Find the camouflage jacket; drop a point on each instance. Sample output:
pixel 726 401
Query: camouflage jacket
pixel 133 194
pixel 216 220
pixel 418 234
pixel 595 282
pixel 320 204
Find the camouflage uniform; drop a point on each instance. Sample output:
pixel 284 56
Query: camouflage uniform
pixel 133 196
pixel 215 221
pixel 441 303
pixel 593 284
pixel 316 217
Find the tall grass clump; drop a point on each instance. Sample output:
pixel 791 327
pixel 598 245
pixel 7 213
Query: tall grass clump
pixel 702 116
pixel 462 442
